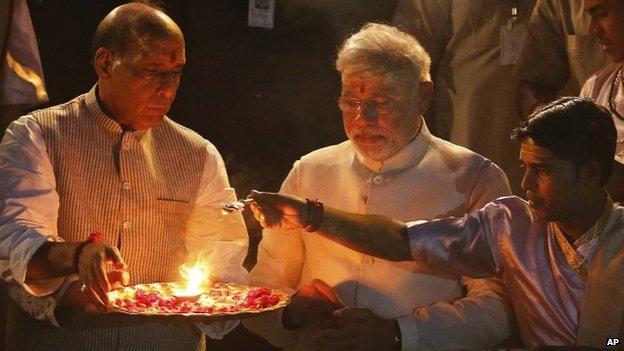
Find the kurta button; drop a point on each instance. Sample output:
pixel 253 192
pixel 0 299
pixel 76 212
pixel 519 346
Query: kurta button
pixel 368 260
pixel 126 186
pixel 378 179
pixel 126 225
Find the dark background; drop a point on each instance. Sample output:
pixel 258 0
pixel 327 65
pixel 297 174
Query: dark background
pixel 264 97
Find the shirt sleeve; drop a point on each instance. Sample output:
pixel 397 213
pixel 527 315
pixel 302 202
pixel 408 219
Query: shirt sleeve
pixel 221 240
pixel 280 263
pixel 30 203
pixel 478 320
pixel 466 246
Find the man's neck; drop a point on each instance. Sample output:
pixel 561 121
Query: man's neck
pixel 585 215
pixel 108 112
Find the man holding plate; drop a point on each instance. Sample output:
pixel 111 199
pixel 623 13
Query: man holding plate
pixel 111 161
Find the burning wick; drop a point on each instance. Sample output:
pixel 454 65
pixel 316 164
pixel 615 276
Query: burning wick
pixel 196 278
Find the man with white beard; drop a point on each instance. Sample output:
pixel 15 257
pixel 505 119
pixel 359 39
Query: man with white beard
pixel 391 165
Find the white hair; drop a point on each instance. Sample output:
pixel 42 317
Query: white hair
pixel 386 50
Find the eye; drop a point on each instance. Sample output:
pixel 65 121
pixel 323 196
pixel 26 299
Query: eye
pixel 383 105
pixel 543 171
pixel 151 71
pixel 348 104
pixel 601 15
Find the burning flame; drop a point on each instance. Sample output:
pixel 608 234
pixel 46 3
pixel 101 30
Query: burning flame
pixel 196 277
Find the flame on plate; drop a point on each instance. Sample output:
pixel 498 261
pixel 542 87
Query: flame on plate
pixel 196 277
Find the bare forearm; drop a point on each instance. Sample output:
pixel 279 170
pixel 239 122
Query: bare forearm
pixel 373 235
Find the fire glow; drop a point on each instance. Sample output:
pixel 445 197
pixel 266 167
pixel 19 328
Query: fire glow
pixel 197 277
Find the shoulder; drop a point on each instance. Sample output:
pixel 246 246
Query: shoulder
pixel 460 158
pixel 180 130
pixel 66 109
pixel 597 81
pixel 508 207
pixel 178 133
pixel 25 128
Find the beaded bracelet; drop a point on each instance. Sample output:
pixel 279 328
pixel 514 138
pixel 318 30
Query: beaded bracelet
pixel 316 214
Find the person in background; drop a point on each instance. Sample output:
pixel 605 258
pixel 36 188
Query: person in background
pixel 560 254
pixel 473 46
pixel 390 165
pixel 605 86
pixel 110 161
pixel 558 55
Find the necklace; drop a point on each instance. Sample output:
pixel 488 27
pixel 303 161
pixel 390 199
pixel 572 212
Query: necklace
pixel 573 259
pixel 614 85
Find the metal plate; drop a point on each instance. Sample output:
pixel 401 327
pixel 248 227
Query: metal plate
pixel 222 300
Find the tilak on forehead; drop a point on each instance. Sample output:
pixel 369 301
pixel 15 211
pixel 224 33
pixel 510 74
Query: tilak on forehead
pixel 149 45
pixel 366 81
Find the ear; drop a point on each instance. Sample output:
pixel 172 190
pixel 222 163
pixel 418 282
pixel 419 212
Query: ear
pixel 425 93
pixel 590 173
pixel 103 62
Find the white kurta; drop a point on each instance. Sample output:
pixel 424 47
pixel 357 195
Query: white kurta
pixel 428 178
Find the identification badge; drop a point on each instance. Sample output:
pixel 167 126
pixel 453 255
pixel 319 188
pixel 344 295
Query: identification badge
pixel 261 13
pixel 511 41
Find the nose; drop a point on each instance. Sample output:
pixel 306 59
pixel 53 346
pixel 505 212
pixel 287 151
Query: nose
pixel 528 180
pixel 367 113
pixel 594 27
pixel 168 86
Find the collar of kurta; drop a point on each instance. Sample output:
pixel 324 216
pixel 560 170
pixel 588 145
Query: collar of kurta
pixel 106 121
pixel 410 155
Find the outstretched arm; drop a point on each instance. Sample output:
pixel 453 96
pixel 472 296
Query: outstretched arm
pixel 373 235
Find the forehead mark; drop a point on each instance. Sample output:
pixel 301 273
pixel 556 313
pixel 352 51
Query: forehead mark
pixel 362 88
pixel 370 84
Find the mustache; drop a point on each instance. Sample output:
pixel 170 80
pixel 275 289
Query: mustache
pixel 368 131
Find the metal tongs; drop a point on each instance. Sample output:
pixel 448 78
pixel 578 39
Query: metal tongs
pixel 233 206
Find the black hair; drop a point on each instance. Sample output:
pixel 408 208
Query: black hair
pixel 573 129
pixel 133 20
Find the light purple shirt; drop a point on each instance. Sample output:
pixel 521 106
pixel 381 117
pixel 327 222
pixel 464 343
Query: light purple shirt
pixel 505 239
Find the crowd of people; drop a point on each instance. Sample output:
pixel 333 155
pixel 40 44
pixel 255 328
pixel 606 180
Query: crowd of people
pixel 406 236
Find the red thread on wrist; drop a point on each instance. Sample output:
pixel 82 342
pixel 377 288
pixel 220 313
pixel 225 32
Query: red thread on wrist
pixel 94 237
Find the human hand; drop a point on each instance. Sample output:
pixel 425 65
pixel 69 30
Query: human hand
pixel 313 303
pixel 78 296
pixel 278 211
pixel 91 264
pixel 358 329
